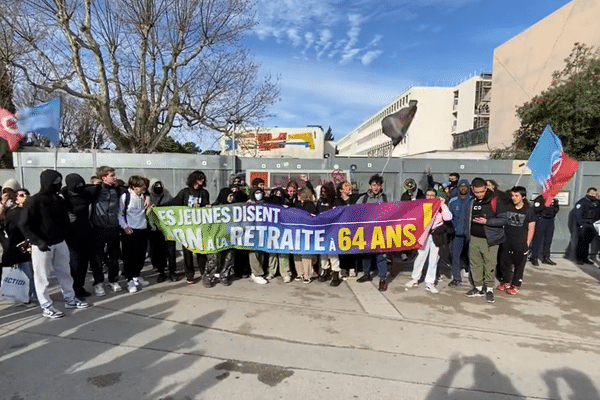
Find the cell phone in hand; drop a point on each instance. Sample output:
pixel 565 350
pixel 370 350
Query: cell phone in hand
pixel 24 247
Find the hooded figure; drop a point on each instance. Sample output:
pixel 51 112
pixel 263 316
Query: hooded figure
pixel 45 218
pixel 158 194
pixel 45 223
pixel 78 240
pixel 161 250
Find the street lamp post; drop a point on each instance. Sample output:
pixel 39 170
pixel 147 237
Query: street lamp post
pixel 235 121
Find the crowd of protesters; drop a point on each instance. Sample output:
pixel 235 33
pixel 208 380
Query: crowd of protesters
pixel 483 234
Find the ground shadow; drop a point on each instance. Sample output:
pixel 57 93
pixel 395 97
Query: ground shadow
pixel 487 380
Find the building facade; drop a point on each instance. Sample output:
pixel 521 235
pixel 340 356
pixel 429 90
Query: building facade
pixel 523 66
pixel 442 113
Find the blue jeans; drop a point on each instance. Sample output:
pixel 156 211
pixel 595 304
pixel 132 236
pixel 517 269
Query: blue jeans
pixel 27 269
pixel 458 248
pixel 381 262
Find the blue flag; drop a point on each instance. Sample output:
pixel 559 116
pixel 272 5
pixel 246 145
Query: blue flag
pixel 550 166
pixel 43 119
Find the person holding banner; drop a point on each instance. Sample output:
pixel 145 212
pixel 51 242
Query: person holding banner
pixel 194 195
pixel 257 258
pixel 329 262
pixel 219 267
pixel 430 247
pixel 278 261
pixel 304 262
pixel 374 195
pixel 346 197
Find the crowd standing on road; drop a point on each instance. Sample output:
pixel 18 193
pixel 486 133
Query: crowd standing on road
pixel 480 232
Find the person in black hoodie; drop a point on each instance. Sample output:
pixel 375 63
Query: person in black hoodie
pixel 194 195
pixel 162 251
pixel 45 223
pixel 329 262
pixel 221 264
pixel 345 197
pixel 80 230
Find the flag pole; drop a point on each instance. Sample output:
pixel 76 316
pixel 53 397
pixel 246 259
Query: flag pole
pixel 522 172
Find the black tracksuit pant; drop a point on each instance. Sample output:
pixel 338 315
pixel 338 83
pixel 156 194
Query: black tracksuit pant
pixel 109 238
pixel 544 232
pixel 134 252
pixel 80 254
pixel 162 252
pixel 513 254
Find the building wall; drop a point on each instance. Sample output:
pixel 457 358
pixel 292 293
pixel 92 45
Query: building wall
pixel 277 142
pixel 173 170
pixel 523 66
pixel 431 128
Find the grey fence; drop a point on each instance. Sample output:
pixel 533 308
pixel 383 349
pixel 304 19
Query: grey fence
pixel 173 170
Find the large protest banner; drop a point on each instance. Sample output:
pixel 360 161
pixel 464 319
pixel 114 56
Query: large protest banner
pixel 359 228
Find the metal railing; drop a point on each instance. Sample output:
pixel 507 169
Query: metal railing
pixel 470 138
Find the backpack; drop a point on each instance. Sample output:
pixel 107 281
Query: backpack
pixel 127 200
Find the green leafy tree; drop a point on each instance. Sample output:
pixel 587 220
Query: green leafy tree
pixel 571 105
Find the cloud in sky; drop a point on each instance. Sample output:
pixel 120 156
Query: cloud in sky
pixel 328 95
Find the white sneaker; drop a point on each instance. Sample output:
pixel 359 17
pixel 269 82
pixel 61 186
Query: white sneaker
pixel 99 289
pixel 287 279
pixel 76 303
pixel 270 277
pixel 258 279
pixel 412 283
pixel 431 288
pixel 131 286
pixel 52 312
pixel 115 286
pixel 140 281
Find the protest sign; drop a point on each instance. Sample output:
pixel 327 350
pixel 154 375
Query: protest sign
pixel 360 228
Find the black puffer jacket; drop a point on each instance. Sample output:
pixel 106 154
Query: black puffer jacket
pixel 495 213
pixel 45 218
pixel 105 208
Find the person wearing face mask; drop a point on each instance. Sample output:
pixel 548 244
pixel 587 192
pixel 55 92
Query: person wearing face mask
pixel 278 261
pixel 162 252
pixel 15 252
pixel 45 223
pixel 257 258
pixel 80 230
pixel 194 195
pixel 9 195
pixel 587 211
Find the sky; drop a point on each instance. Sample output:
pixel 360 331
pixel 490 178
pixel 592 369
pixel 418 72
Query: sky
pixel 339 62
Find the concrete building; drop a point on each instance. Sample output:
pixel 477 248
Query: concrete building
pixel 305 142
pixel 523 66
pixel 442 113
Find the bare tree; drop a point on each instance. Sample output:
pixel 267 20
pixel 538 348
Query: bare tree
pixel 143 66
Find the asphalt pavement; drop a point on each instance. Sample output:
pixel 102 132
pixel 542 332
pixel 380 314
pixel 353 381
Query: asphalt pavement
pixel 174 341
